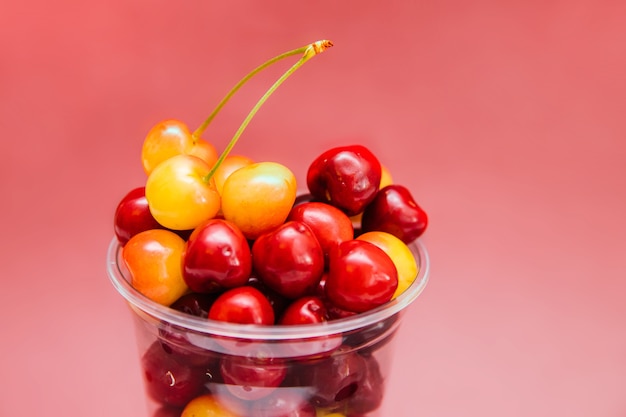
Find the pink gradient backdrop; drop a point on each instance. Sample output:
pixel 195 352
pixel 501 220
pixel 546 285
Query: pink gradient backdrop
pixel 506 119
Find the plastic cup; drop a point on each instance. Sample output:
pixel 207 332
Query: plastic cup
pixel 335 369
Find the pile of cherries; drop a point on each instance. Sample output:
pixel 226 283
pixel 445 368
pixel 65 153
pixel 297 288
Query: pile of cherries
pixel 229 239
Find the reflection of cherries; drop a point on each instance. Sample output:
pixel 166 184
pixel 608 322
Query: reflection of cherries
pixel 347 177
pixel 394 211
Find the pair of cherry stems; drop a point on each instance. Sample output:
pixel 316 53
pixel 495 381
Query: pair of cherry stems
pixel 307 51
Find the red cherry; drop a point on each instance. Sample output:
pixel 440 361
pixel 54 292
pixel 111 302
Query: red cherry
pixel 289 259
pixel 242 305
pixel 347 177
pixel 329 224
pixel 216 257
pixel 168 381
pixel 334 379
pixel 361 276
pixel 305 310
pixel 133 216
pixel 394 211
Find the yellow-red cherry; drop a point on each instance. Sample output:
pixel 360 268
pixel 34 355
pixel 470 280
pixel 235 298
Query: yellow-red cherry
pixel 154 260
pixel 258 197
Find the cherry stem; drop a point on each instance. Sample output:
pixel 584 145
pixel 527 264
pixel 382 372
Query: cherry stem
pixel 198 132
pixel 308 51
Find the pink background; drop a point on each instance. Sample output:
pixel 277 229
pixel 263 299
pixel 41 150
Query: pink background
pixel 505 118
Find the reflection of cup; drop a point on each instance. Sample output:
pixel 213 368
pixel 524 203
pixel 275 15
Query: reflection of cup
pixel 337 368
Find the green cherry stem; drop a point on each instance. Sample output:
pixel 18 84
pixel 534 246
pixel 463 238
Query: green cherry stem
pixel 308 52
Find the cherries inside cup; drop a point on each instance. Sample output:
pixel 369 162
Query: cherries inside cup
pixel 251 300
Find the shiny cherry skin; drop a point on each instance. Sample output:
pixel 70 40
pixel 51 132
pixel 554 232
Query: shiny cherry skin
pixel 278 302
pixel 168 381
pixel 347 177
pixel 216 257
pixel 305 310
pixel 289 259
pixel 361 276
pixel 154 260
pixel 395 211
pixel 250 378
pixel 133 216
pixel 258 197
pixel 400 254
pixel 329 224
pixel 242 305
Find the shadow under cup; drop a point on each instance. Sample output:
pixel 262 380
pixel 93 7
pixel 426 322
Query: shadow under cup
pixel 335 369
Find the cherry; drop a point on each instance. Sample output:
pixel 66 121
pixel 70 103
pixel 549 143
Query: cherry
pixel 394 211
pixel 335 378
pixel 305 310
pixel 154 260
pixel 180 188
pixel 400 254
pixel 250 378
pixel 243 305
pixel 369 393
pixel 347 177
pixel 175 340
pixel 289 259
pixel 216 257
pixel 257 198
pixel 168 381
pixel 329 224
pixel 361 276
pixel 132 216
pixel 207 405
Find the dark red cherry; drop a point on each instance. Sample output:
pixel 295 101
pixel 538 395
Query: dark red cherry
pixel 361 276
pixel 289 259
pixel 329 224
pixel 169 382
pixel 334 379
pixel 347 177
pixel 394 211
pixel 369 393
pixel 216 257
pixel 133 216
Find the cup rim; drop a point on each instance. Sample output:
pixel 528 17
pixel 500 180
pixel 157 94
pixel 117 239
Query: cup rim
pixel 266 332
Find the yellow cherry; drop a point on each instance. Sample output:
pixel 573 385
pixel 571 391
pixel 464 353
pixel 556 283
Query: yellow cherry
pixel 178 194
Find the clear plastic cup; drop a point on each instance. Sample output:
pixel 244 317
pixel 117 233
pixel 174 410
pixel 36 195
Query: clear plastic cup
pixel 335 369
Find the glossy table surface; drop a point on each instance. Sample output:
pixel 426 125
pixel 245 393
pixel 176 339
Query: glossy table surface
pixel 505 119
